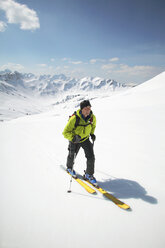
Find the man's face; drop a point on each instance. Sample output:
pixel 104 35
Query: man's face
pixel 86 111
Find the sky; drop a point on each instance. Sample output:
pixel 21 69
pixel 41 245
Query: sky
pixel 119 39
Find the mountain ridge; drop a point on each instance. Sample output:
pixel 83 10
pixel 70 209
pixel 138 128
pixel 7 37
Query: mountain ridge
pixel 54 84
pixel 26 94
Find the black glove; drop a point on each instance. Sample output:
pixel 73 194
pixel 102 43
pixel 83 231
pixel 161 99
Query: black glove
pixel 93 137
pixel 76 139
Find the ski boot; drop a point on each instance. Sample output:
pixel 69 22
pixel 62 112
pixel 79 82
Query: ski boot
pixel 71 172
pixel 91 179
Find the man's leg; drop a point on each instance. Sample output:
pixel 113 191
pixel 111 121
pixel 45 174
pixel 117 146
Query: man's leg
pixel 89 154
pixel 72 148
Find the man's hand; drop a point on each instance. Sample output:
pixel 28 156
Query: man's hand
pixel 93 137
pixel 76 139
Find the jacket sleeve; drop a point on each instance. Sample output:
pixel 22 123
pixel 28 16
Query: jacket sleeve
pixel 93 125
pixel 69 128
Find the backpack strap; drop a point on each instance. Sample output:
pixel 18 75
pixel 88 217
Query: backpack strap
pixel 91 120
pixel 77 119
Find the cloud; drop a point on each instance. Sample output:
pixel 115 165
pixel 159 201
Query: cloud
pixel 52 60
pixel 17 13
pixel 68 60
pixel 65 59
pixel 75 62
pixel 135 70
pixel 108 67
pixel 3 26
pixel 114 59
pixel 42 65
pixel 137 73
pixel 12 67
pixel 126 69
pixel 93 61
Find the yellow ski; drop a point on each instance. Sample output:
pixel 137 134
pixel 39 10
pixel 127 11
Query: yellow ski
pixel 84 185
pixel 111 197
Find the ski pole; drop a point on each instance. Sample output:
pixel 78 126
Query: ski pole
pixel 69 190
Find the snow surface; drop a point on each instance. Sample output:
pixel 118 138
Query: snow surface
pixel 37 212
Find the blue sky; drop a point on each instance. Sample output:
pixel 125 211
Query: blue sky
pixel 119 39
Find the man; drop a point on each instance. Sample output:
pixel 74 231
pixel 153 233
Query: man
pixel 78 130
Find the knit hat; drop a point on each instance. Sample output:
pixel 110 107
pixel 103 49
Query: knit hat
pixel 84 104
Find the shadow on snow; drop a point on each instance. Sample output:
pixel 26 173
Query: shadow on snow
pixel 124 188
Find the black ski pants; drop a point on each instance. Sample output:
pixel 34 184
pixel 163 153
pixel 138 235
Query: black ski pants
pixel 89 154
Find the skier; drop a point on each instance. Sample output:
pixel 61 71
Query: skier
pixel 79 128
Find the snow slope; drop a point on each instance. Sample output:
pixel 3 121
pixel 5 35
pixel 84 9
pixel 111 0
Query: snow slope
pixel 37 212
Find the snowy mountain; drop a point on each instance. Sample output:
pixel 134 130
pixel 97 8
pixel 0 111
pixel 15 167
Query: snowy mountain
pixel 51 85
pixel 37 212
pixel 22 94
